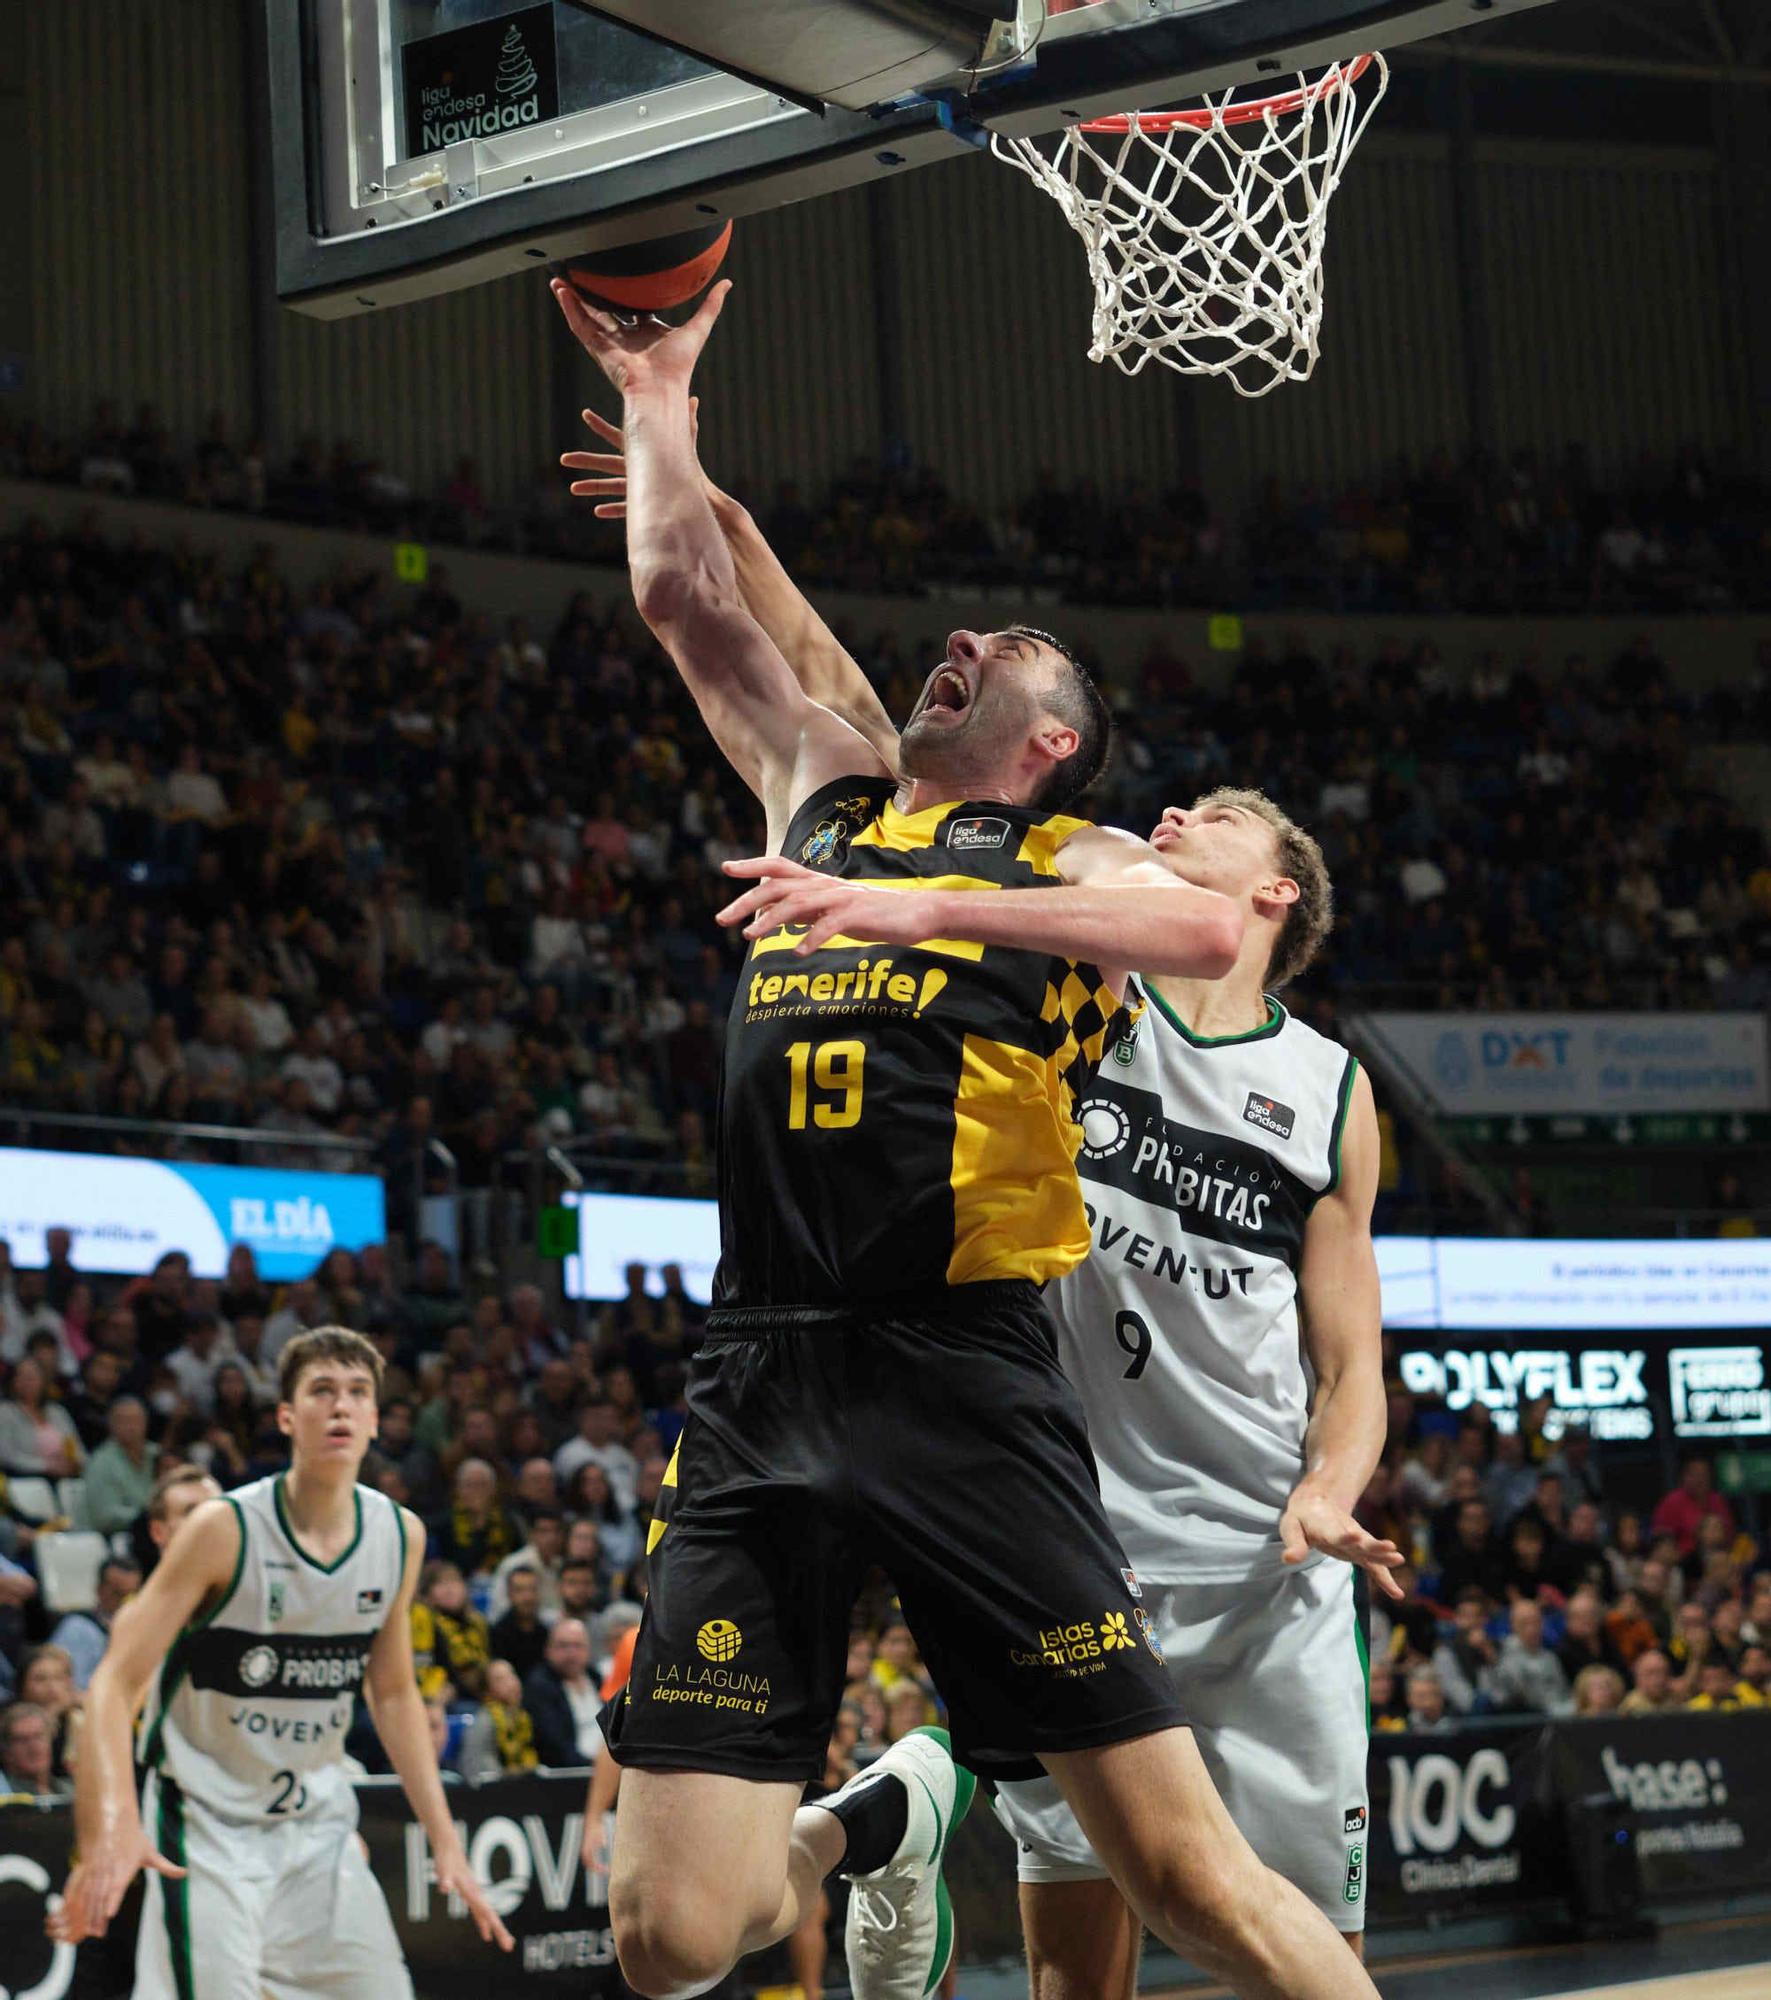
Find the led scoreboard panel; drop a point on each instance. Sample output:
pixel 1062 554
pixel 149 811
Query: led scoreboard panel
pixel 1719 1389
pixel 1635 1340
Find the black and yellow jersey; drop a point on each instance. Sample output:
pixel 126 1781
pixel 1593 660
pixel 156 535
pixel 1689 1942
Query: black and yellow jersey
pixel 896 1117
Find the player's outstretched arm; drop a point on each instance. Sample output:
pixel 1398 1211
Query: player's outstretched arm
pixel 196 1570
pixel 820 662
pixel 391 1685
pixel 685 586
pixel 1118 907
pixel 1338 1291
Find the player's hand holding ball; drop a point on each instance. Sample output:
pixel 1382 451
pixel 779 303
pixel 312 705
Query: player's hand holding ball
pixel 643 354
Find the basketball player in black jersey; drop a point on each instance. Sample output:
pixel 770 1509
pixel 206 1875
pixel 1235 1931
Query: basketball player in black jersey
pixel 935 967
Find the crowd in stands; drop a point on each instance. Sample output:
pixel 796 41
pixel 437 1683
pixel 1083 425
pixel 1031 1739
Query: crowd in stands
pixel 354 863
pixel 1478 535
pixel 536 1455
pixel 1533 1592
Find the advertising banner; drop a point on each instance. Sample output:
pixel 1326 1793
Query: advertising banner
pixel 1622 1393
pixel 1473 1822
pixel 1456 1824
pixel 1472 1065
pixel 522 1835
pixel 1694 1791
pixel 615 1230
pixel 124 1215
pixel 1574 1285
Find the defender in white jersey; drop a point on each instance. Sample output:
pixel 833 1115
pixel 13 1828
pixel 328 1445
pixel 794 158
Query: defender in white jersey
pixel 1224 1336
pixel 270 1612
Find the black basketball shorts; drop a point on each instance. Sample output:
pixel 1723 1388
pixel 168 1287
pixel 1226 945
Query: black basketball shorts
pixel 937 1437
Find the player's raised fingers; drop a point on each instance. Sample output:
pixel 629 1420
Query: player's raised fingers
pixel 752 900
pixel 1385 1578
pixel 764 864
pixel 594 329
pixel 603 427
pixel 611 510
pixel 594 461
pixel 710 308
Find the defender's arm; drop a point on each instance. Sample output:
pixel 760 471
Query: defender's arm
pixel 1124 911
pixel 1343 1319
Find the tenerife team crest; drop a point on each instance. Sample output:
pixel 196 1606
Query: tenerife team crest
pixel 824 843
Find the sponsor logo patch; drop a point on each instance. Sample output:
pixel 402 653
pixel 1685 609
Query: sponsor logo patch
pixel 368 1600
pixel 823 843
pixel 1114 1636
pixel 258 1666
pixel 273 1608
pixel 1354 1890
pixel 1131 1582
pixel 1141 1618
pixel 1125 1050
pixel 976 833
pixel 1355 1820
pixel 719 1639
pixel 1269 1114
pixel 1106 1129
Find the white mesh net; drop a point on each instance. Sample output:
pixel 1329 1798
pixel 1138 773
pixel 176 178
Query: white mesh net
pixel 1205 228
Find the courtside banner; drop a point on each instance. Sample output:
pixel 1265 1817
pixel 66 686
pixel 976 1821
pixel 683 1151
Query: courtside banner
pixel 126 1214
pixel 523 1835
pixel 1457 1825
pixel 1534 1065
pixel 1694 1791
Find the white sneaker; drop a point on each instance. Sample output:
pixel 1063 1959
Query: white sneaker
pixel 899 1934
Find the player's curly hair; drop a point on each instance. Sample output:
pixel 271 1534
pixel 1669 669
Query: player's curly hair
pixel 1075 700
pixel 1311 918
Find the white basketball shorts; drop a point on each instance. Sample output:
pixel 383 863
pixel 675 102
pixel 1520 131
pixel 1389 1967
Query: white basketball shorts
pixel 1271 1669
pixel 286 1912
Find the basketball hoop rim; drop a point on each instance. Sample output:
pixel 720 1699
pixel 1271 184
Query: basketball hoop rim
pixel 1197 119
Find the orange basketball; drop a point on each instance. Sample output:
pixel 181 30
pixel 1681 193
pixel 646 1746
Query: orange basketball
pixel 651 277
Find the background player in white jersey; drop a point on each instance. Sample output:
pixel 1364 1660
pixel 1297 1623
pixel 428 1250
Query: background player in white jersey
pixel 1224 1334
pixel 269 1612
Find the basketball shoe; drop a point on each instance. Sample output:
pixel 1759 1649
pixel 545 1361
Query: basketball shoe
pixel 899 1934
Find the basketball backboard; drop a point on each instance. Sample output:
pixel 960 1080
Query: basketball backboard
pixel 418 146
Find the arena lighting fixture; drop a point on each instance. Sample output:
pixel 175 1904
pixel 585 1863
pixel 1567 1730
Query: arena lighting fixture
pixel 852 53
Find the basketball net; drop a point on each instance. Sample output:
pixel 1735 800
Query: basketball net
pixel 1205 228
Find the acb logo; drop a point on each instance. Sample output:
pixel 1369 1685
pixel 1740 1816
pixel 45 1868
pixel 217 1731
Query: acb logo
pixel 719 1639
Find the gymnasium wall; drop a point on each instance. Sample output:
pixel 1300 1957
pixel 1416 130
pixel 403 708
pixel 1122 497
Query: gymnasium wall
pixel 948 309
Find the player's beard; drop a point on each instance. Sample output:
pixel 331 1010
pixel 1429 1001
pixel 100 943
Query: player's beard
pixel 976 750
